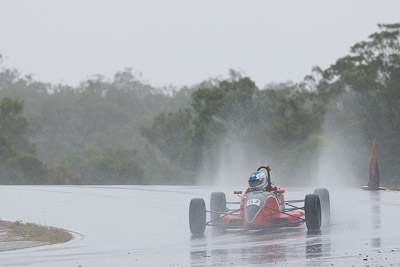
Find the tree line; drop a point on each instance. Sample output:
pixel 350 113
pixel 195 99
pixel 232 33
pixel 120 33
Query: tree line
pixel 124 131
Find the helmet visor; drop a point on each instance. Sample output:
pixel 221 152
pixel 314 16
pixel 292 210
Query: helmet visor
pixel 254 183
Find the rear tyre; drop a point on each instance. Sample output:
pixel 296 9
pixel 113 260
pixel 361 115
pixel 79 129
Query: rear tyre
pixel 323 194
pixel 218 205
pixel 312 209
pixel 197 216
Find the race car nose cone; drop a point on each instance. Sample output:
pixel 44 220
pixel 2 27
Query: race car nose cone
pixel 254 202
pixel 251 212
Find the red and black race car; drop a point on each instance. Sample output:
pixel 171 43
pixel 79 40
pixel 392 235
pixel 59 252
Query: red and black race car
pixel 260 209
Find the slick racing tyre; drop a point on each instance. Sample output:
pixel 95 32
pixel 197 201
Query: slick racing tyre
pixel 312 209
pixel 217 205
pixel 197 216
pixel 323 194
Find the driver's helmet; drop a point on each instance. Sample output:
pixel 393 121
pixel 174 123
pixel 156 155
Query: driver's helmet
pixel 257 181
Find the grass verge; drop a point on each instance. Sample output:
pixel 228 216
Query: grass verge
pixel 18 231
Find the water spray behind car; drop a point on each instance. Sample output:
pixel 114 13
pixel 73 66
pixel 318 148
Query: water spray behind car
pixel 343 151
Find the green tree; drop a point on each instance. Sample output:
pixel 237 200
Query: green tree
pixel 61 175
pixel 24 169
pixel 13 125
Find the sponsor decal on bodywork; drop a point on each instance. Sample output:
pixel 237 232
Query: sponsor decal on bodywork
pixel 253 201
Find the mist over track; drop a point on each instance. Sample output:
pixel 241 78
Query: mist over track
pixel 148 226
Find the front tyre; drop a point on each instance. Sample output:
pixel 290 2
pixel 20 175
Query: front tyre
pixel 323 194
pixel 312 209
pixel 217 206
pixel 197 216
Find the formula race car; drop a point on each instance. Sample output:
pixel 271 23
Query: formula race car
pixel 260 207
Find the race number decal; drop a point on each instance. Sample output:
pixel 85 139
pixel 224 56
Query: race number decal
pixel 253 201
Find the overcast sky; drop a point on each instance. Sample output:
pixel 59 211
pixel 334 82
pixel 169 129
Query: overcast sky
pixel 183 42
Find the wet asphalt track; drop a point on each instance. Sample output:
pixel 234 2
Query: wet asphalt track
pixel 148 226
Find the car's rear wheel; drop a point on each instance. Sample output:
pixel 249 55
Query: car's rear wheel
pixel 323 194
pixel 312 209
pixel 217 206
pixel 197 216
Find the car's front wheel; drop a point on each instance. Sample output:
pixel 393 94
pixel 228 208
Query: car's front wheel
pixel 312 210
pixel 197 216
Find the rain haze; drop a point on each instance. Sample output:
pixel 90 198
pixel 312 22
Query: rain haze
pixel 199 133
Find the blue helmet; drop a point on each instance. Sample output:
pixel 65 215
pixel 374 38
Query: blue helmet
pixel 257 181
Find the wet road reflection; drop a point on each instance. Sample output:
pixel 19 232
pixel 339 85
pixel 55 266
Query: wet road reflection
pixel 375 218
pixel 259 247
pixel 148 226
pixel 314 245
